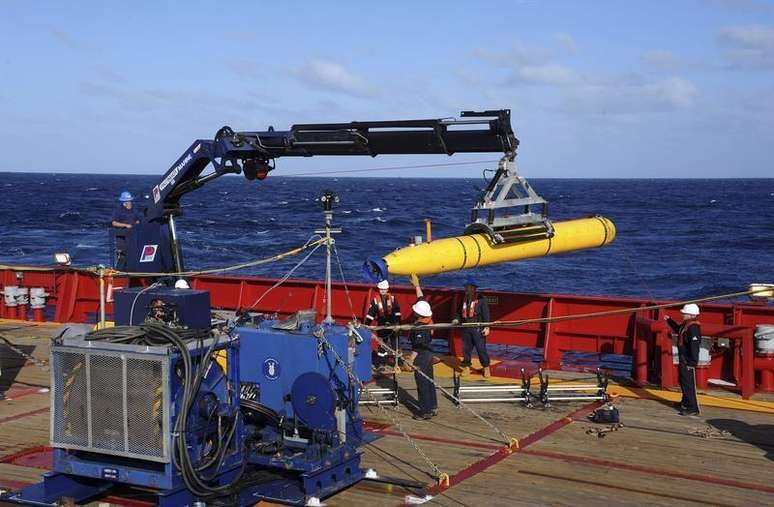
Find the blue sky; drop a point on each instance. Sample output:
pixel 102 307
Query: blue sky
pixel 598 89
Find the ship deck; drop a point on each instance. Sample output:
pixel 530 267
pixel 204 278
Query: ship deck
pixel 723 457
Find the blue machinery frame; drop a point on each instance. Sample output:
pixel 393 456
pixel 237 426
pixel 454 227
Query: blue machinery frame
pixel 299 374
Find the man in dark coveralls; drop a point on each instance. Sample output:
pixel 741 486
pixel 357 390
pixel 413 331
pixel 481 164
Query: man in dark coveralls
pixel 124 218
pixel 474 309
pixel 688 346
pixel 421 340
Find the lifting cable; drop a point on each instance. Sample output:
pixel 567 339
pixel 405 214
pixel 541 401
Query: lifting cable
pixel 562 318
pixel 287 275
pixel 395 168
pixel 440 476
pixel 437 474
pixel 344 282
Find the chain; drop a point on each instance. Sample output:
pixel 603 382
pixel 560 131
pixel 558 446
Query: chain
pixel 43 365
pixel 348 369
pixel 509 441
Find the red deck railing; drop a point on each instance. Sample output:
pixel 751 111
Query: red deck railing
pixel 74 297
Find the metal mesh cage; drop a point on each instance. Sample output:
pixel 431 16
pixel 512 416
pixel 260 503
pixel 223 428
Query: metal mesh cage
pixel 110 402
pixel 144 389
pixel 69 421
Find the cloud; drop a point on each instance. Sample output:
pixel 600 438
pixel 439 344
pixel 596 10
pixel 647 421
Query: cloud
pixel 661 58
pixel 106 72
pixel 68 40
pixel 749 45
pixel 334 77
pixel 567 42
pixel 247 69
pixel 755 6
pixel 516 56
pixel 631 95
pixel 549 74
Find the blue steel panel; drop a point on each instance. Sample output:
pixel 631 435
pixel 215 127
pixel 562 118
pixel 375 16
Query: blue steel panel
pixel 274 359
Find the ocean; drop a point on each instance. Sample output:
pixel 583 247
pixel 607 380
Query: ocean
pixel 676 238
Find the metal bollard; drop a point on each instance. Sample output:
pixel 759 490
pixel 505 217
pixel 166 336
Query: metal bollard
pixel 22 300
pixel 38 297
pixel 9 296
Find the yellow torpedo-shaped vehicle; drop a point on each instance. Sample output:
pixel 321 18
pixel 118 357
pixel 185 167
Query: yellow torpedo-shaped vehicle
pixel 509 223
pixel 475 250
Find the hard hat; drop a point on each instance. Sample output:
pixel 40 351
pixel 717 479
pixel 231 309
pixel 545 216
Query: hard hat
pixel 182 284
pixel 471 281
pixel 384 284
pixel 690 309
pixel 422 308
pixel 125 197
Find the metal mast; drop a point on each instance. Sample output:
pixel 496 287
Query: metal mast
pixel 327 199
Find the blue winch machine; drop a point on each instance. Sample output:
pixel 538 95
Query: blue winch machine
pixel 247 410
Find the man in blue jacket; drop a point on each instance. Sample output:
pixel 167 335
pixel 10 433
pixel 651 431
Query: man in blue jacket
pixel 124 218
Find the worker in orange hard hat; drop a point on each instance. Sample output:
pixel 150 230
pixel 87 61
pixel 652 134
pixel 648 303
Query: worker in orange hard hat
pixel 384 311
pixel 688 346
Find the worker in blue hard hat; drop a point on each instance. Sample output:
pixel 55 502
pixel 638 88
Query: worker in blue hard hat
pixel 474 309
pixel 124 218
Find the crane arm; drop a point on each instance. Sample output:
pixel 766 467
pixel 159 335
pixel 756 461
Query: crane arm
pixel 253 153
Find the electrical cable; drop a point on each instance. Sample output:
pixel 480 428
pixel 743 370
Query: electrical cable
pixel 137 296
pixel 286 276
pixel 156 334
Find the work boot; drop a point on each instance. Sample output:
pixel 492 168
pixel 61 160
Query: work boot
pixel 487 372
pixel 465 371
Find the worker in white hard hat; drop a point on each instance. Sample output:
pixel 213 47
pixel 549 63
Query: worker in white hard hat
pixel 688 345
pixel 421 340
pixel 384 311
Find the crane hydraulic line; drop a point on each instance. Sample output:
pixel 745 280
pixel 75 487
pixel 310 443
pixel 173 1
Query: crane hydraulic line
pixel 153 245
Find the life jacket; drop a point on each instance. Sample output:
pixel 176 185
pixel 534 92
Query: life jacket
pixel 423 321
pixel 380 307
pixel 684 328
pixel 469 312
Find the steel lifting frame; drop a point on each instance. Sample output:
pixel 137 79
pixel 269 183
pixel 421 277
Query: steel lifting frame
pixel 510 210
pixel 523 392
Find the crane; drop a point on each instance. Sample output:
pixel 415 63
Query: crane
pixel 153 245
